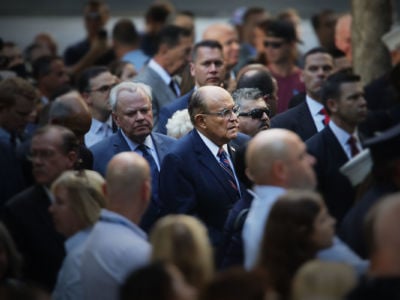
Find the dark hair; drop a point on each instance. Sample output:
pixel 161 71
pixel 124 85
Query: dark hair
pixel 157 12
pixel 42 66
pixel 125 32
pixel 331 87
pixel 314 51
pixel 151 282
pixel 83 83
pixel 196 105
pixel 171 35
pixel 287 241
pixel 258 78
pixel 252 11
pixel 206 44
pixel 13 88
pixel 316 18
pixel 69 139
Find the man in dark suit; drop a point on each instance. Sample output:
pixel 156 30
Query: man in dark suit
pixel 343 98
pixel 197 177
pixel 207 68
pixel 173 52
pixel 131 110
pixel 54 149
pixel 309 117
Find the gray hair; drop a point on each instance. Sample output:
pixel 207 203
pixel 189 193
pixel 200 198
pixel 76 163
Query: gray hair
pixel 246 94
pixel 134 87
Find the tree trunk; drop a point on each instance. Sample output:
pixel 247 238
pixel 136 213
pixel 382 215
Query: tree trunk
pixel 371 19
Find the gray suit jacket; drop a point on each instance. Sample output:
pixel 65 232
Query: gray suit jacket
pixel 161 93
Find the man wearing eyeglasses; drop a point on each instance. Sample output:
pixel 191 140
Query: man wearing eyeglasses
pixel 254 113
pixel 198 177
pixel 94 85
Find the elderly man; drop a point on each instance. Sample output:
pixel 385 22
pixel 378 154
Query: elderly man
pixel 117 246
pixel 54 149
pixel 197 177
pixel 207 68
pixel 132 112
pixel 254 113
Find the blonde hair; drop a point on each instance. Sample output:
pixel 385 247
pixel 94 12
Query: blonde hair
pixel 183 241
pixel 323 280
pixel 85 192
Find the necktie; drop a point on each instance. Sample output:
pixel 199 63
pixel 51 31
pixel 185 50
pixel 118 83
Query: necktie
pixel 224 162
pixel 353 146
pixel 153 169
pixel 172 87
pixel 326 116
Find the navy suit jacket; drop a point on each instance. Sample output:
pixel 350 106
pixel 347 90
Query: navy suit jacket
pixel 192 182
pixel 297 119
pixel 104 151
pixel 168 110
pixel 336 188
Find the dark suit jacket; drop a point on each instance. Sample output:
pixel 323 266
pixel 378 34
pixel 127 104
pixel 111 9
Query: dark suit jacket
pixel 161 93
pixel 192 182
pixel 335 187
pixel 297 119
pixel 104 151
pixel 167 111
pixel 27 218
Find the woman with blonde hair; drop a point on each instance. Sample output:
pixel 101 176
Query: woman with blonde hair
pixel 183 241
pixel 78 199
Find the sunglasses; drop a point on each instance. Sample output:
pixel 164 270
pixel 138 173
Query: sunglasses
pixel 273 45
pixel 256 113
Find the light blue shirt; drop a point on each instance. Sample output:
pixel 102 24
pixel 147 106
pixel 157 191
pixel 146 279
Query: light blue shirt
pixel 343 137
pixel 253 231
pixel 98 131
pixel 69 285
pixel 315 107
pixel 137 58
pixel 114 249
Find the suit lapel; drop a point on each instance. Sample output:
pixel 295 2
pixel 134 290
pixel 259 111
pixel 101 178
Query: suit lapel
pixel 306 120
pixel 335 147
pixel 119 143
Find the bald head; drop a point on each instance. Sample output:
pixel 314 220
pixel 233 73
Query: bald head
pixel 71 111
pixel 227 36
pixel 278 157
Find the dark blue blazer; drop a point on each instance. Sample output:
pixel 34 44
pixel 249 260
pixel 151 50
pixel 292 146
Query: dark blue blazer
pixel 336 188
pixel 104 151
pixel 297 119
pixel 192 182
pixel 168 110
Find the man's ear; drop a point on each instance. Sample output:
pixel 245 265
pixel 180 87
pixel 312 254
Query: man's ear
pixel 200 120
pixel 332 105
pixel 192 69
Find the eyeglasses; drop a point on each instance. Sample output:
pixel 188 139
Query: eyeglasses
pixel 256 113
pixel 273 45
pixel 103 88
pixel 226 113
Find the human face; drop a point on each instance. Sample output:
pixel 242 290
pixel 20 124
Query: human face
pixel 247 124
pixel 133 115
pixel 277 50
pixel 208 68
pixel 317 68
pixel 17 116
pixel 179 55
pixel 66 220
pixel 230 44
pixel 48 157
pixel 300 172
pixel 324 229
pixel 97 97
pixel 56 78
pixel 219 129
pixel 350 109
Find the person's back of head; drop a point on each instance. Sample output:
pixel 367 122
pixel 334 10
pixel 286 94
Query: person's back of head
pixel 156 17
pixel 125 33
pixel 170 36
pixel 183 241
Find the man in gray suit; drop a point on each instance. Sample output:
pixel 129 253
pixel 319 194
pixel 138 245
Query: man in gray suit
pixel 174 47
pixel 131 111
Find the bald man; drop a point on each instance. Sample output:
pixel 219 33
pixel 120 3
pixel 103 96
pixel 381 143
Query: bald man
pixel 228 37
pixel 382 227
pixel 197 177
pixel 277 160
pixel 117 246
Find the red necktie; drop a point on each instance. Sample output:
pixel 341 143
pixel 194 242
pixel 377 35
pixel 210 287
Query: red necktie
pixel 326 116
pixel 353 146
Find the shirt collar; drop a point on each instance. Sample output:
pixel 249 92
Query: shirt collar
pixel 314 106
pixel 211 145
pixel 160 71
pixel 132 145
pixel 342 135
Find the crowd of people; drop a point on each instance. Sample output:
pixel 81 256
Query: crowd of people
pixel 156 166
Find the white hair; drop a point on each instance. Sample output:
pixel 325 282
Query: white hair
pixel 135 87
pixel 179 124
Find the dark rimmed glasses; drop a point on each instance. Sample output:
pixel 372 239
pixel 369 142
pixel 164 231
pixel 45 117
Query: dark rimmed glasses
pixel 256 113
